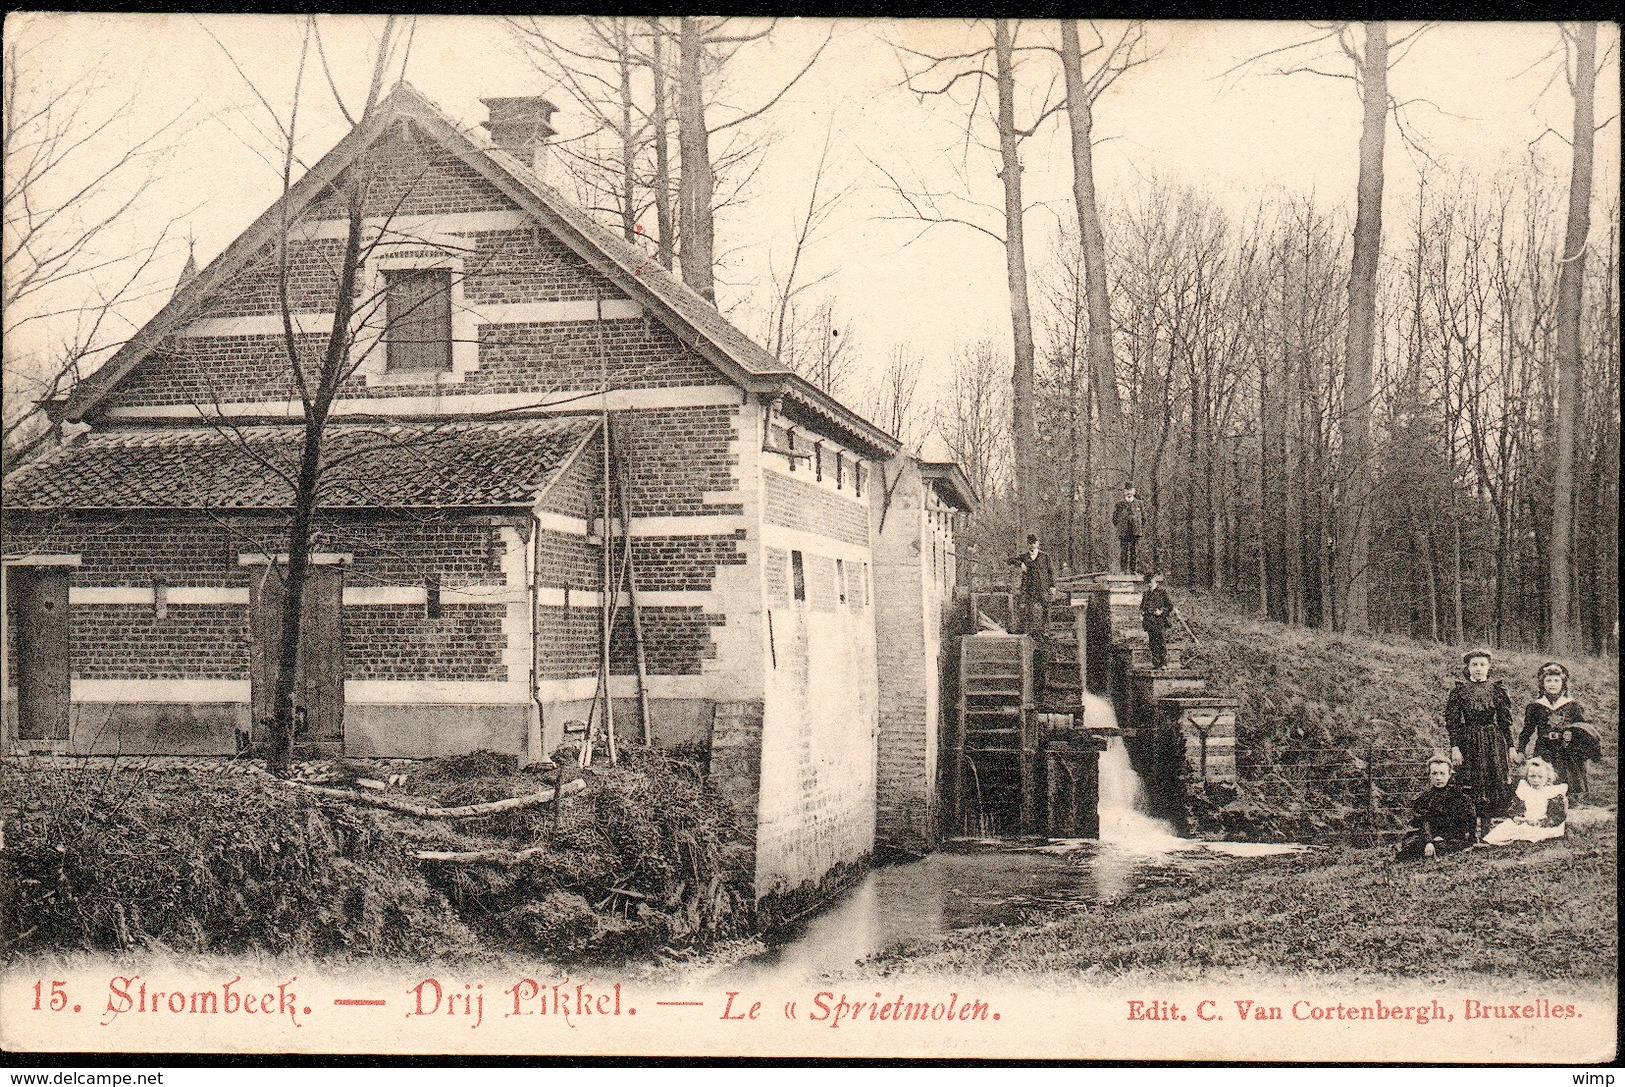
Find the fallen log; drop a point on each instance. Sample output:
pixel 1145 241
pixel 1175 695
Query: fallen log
pixel 426 811
pixel 507 858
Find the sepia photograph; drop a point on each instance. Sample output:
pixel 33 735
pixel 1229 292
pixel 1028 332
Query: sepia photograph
pixel 728 537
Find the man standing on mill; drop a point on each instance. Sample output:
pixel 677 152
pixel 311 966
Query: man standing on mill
pixel 1034 587
pixel 1128 517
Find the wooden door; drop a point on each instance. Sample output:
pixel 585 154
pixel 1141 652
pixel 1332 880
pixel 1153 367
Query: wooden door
pixel 39 611
pixel 318 692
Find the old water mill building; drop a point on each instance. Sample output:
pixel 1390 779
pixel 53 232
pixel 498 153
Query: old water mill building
pixel 546 437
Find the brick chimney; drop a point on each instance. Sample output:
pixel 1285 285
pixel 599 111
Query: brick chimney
pixel 521 127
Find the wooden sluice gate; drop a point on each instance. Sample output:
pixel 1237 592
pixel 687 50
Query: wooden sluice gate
pixel 1025 762
pixel 1024 754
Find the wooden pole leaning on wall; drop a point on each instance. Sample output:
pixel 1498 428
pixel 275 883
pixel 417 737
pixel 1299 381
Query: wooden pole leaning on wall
pixel 610 587
pixel 622 479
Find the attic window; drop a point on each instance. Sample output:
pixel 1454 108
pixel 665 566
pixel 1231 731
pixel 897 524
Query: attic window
pixel 418 315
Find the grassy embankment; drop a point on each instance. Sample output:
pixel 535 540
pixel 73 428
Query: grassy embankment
pixel 1317 711
pixel 109 857
pixel 1334 730
pixel 1539 911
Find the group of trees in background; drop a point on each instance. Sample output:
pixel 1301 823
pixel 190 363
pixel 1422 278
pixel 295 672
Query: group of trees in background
pixel 1427 444
pixel 1408 422
pixel 1230 369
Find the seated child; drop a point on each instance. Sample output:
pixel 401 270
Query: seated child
pixel 1442 818
pixel 1542 804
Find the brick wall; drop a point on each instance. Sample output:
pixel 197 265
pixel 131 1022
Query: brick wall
pixel 409 175
pixel 574 356
pixel 313 281
pixel 539 357
pixel 134 551
pixel 810 508
pixel 504 266
pixel 673 563
pixel 677 456
pixel 777 574
pixel 210 641
pixel 909 603
pixel 399 642
pixel 528 266
pixel 129 641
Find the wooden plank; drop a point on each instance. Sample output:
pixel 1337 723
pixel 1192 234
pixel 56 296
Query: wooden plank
pixel 39 597
pixel 319 667
pixel 322 654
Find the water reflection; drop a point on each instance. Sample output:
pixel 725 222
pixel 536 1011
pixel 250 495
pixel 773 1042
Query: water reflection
pixel 967 885
pixel 999 881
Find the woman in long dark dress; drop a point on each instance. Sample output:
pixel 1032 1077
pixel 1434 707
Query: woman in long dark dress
pixel 1478 716
pixel 1547 719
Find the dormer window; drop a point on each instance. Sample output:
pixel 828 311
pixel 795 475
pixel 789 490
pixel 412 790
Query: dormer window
pixel 417 308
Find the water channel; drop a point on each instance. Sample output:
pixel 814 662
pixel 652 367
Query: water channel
pixel 988 881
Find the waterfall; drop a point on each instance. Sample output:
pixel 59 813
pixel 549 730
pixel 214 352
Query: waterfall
pixel 1124 821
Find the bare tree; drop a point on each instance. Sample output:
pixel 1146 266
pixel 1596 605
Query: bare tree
pixel 1372 55
pixel 941 75
pixel 599 72
pixel 1580 39
pixel 893 404
pixel 317 382
pixel 704 47
pixel 73 182
pixel 621 74
pixel 1083 91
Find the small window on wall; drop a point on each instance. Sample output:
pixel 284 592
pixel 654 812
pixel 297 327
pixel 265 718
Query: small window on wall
pixel 417 315
pixel 431 596
pixel 798 576
pixel 840 580
pixel 840 470
pixel 857 479
pixel 818 461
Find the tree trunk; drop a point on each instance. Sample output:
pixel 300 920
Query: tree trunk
pixel 696 185
pixel 1015 256
pixel 1354 544
pixel 301 525
pixel 629 205
pixel 1424 553
pixel 660 121
pixel 1570 284
pixel 335 367
pixel 1092 241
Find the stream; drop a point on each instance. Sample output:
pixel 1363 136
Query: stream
pixel 974 882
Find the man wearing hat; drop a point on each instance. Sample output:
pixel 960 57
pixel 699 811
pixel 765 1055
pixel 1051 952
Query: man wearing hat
pixel 1156 606
pixel 1035 585
pixel 1128 517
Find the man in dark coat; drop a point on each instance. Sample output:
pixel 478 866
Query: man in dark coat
pixel 1128 517
pixel 1034 587
pixel 1442 817
pixel 1156 608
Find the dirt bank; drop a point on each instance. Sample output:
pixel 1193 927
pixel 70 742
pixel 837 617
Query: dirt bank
pixel 205 855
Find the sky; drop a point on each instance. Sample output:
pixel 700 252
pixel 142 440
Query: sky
pixel 1189 117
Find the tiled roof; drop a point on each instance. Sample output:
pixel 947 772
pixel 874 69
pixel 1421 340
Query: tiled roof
pixel 445 464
